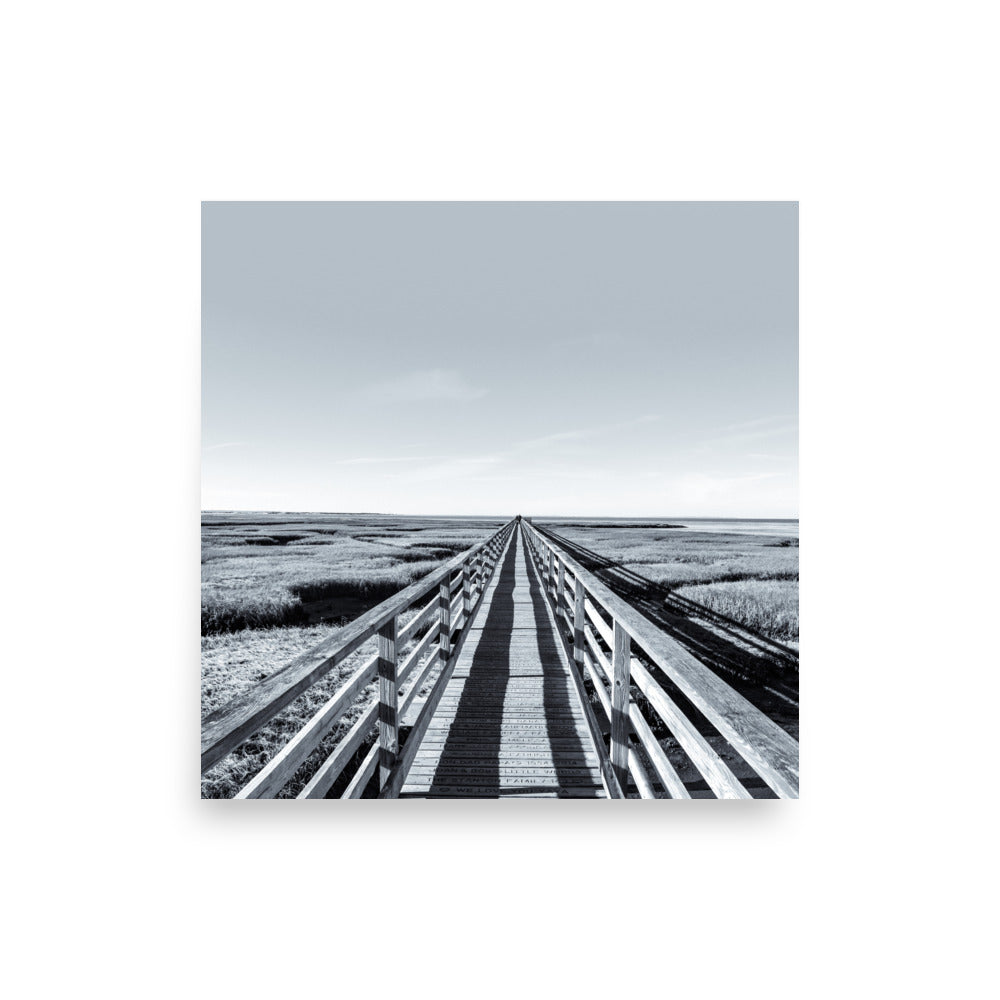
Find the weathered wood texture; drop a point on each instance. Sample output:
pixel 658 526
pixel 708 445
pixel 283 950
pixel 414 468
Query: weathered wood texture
pixel 508 720
pixel 388 701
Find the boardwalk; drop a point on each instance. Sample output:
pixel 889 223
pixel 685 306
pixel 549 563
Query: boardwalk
pixel 510 721
pixel 492 706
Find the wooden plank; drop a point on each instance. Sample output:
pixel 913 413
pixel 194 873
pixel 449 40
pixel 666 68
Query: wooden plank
pixel 418 682
pixel 467 769
pixel 328 772
pixel 444 613
pixel 599 689
pixel 274 775
pixel 642 782
pixel 227 727
pixel 603 628
pixel 388 701
pixel 506 756
pixel 363 775
pixel 414 655
pixel 579 619
pixel 413 626
pixel 665 771
pixel 472 791
pixel 712 767
pixel 621 656
pixel 635 766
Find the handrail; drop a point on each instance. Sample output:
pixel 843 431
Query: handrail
pixel 229 726
pixel 761 742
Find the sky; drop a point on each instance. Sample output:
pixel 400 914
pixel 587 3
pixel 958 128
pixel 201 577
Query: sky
pixel 494 358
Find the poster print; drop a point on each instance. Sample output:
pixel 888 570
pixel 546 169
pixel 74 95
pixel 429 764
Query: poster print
pixel 499 500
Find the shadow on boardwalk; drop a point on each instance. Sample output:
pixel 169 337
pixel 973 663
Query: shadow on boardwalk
pixel 514 711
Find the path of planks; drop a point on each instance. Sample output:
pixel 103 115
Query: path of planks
pixel 510 722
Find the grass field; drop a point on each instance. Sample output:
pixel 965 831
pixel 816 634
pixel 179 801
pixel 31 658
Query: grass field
pixel 751 578
pixel 260 570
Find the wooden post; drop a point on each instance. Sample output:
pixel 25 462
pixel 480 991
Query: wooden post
pixel 560 588
pixel 388 701
pixel 621 667
pixel 444 612
pixel 550 573
pixel 466 593
pixel 579 617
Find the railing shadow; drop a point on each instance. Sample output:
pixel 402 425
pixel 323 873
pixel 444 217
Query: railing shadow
pixel 569 754
pixel 476 729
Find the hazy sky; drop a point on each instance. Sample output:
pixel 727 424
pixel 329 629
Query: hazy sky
pixel 603 358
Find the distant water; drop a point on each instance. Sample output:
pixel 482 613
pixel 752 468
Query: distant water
pixel 741 525
pixel 785 527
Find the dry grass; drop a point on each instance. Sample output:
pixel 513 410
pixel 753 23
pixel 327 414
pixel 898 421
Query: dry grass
pixel 233 663
pixel 753 579
pixel 770 607
pixel 265 570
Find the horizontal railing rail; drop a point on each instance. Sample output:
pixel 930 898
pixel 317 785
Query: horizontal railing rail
pixel 607 633
pixel 395 625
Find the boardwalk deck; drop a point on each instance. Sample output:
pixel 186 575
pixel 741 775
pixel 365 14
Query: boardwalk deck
pixel 510 722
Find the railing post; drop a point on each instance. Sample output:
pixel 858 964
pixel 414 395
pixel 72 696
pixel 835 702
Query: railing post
pixel 388 701
pixel 560 586
pixel 579 613
pixel 621 669
pixel 444 613
pixel 550 573
pixel 466 593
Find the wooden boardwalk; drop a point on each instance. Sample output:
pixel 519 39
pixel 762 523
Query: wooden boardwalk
pixel 480 696
pixel 510 722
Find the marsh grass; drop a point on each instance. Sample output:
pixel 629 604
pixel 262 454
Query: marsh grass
pixel 278 570
pixel 752 579
pixel 233 663
pixel 770 607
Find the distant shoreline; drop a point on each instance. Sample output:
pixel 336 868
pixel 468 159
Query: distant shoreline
pixel 495 517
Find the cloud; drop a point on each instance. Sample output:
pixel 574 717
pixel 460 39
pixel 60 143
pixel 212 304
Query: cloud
pixel 429 384
pixel 387 461
pixel 760 422
pixel 448 469
pixel 586 432
pixel 227 444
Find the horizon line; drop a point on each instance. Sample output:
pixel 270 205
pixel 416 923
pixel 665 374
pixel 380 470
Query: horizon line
pixel 389 513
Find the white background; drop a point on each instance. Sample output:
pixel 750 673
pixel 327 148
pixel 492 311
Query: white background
pixel 120 118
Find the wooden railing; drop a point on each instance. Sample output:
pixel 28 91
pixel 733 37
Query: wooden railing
pixel 456 588
pixel 615 647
